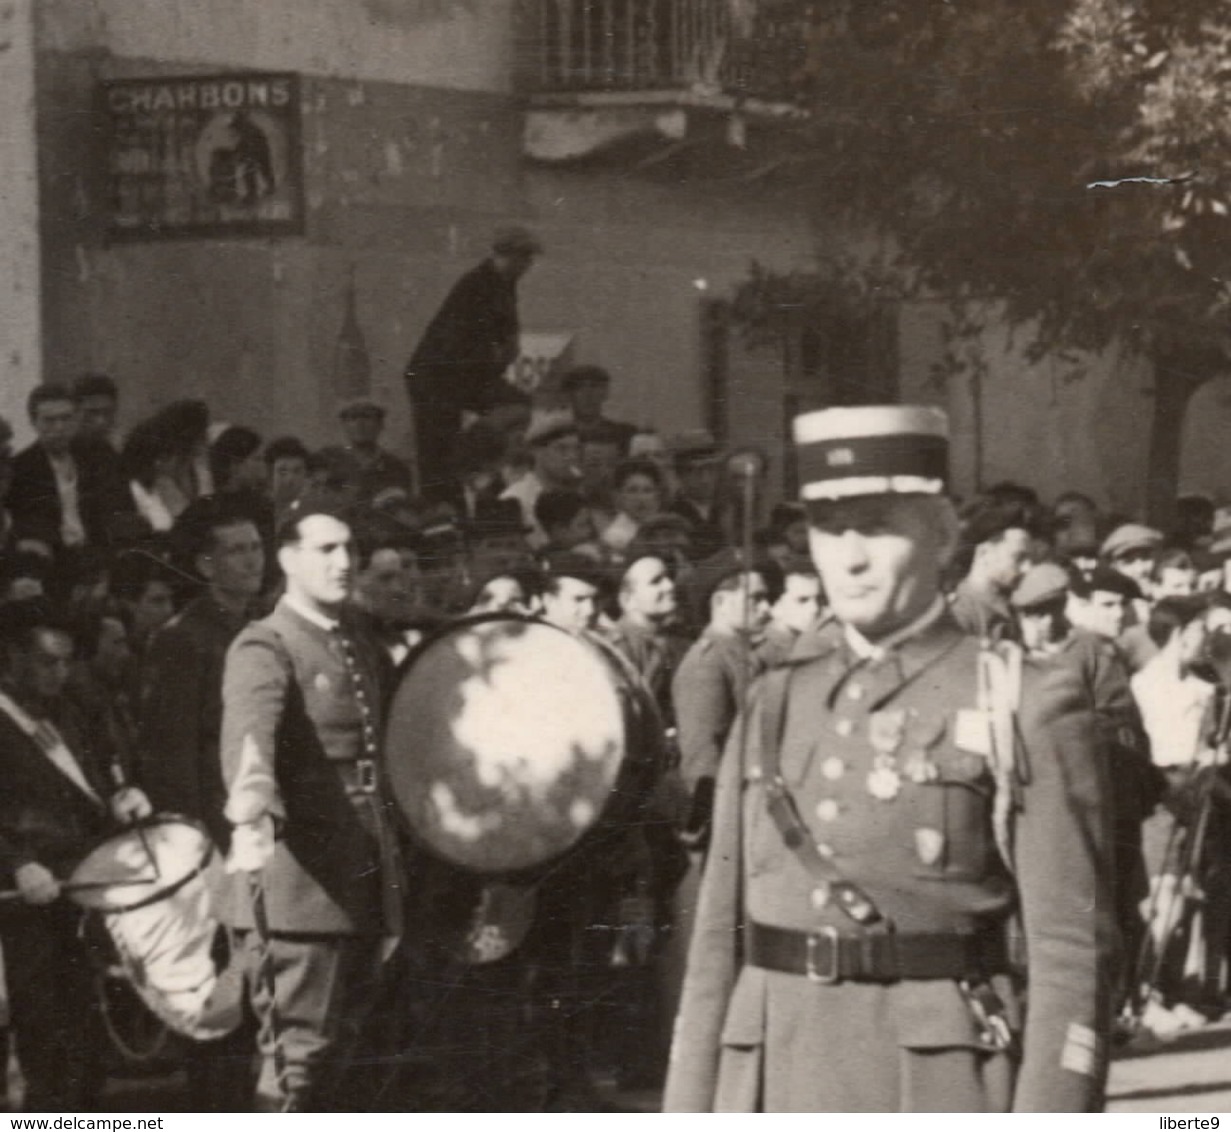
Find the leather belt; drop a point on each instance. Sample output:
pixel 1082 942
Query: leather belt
pixel 358 777
pixel 829 956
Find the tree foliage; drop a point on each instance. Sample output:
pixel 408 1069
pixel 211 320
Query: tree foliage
pixel 1070 159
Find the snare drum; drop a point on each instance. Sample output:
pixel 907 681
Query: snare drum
pixel 148 886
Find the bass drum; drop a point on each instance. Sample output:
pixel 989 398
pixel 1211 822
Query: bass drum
pixel 510 740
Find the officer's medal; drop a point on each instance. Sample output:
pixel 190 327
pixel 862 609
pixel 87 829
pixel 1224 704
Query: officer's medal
pixel 917 764
pixel 886 730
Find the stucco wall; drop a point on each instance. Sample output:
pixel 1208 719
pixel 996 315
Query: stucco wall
pixel 455 44
pixel 412 155
pixel 404 183
pixel 21 356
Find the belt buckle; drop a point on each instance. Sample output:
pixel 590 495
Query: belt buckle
pixel 365 773
pixel 810 968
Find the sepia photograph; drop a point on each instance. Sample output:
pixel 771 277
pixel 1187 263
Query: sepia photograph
pixel 616 556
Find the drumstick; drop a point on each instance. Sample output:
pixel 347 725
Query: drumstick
pixel 70 887
pixel 145 844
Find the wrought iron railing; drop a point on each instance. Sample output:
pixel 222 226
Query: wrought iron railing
pixel 748 47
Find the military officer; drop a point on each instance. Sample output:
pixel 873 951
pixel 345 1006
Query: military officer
pixel 302 696
pixel 850 952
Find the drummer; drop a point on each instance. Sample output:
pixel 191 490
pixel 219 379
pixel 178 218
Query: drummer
pixel 316 895
pixel 56 804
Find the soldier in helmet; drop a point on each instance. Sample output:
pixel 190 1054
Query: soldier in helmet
pixel 850 947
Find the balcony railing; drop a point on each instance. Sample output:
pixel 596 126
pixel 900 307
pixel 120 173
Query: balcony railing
pixel 748 48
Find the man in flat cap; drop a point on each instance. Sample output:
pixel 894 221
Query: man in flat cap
pixel 587 388
pixel 1038 603
pixel 459 362
pixel 695 460
pixel 553 443
pixel 1130 550
pixel 362 460
pixel 850 949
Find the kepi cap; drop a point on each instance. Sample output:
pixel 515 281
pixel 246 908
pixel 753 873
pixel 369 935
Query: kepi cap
pixel 872 450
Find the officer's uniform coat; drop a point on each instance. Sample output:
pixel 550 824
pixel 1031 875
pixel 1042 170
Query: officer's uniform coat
pixel 291 731
pixel 749 1039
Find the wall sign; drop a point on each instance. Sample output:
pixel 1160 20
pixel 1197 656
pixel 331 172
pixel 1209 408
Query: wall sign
pixel 204 155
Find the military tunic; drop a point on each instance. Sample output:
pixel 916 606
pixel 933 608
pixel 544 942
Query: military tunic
pixel 918 839
pixel 303 700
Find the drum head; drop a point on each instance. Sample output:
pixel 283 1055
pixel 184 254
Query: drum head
pixel 504 744
pixel 140 865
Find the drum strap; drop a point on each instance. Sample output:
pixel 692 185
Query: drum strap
pixel 51 743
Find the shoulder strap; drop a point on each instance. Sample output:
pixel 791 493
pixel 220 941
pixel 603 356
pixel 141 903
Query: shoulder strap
pixel 780 803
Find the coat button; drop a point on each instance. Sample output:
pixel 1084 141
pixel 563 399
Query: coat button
pixel 819 896
pixel 827 809
pixel 844 727
pixel 855 692
pixel 833 768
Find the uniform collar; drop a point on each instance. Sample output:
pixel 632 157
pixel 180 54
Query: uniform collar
pixel 313 616
pixel 866 650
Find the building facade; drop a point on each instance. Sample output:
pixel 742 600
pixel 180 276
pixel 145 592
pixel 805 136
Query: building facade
pixel 424 124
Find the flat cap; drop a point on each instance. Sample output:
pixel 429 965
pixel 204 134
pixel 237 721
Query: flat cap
pixel 872 450
pixel 1043 583
pixel 515 240
pixel 494 518
pixel 1129 537
pixel 1220 543
pixel 697 446
pixel 578 376
pixel 570 564
pixel 361 407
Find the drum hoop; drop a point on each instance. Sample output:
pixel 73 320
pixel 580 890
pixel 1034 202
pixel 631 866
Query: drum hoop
pixel 163 893
pixel 448 628
pixel 603 648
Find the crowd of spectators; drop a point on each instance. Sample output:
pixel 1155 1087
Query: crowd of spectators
pixel 597 525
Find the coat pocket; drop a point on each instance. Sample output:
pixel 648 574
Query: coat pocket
pixel 954 827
